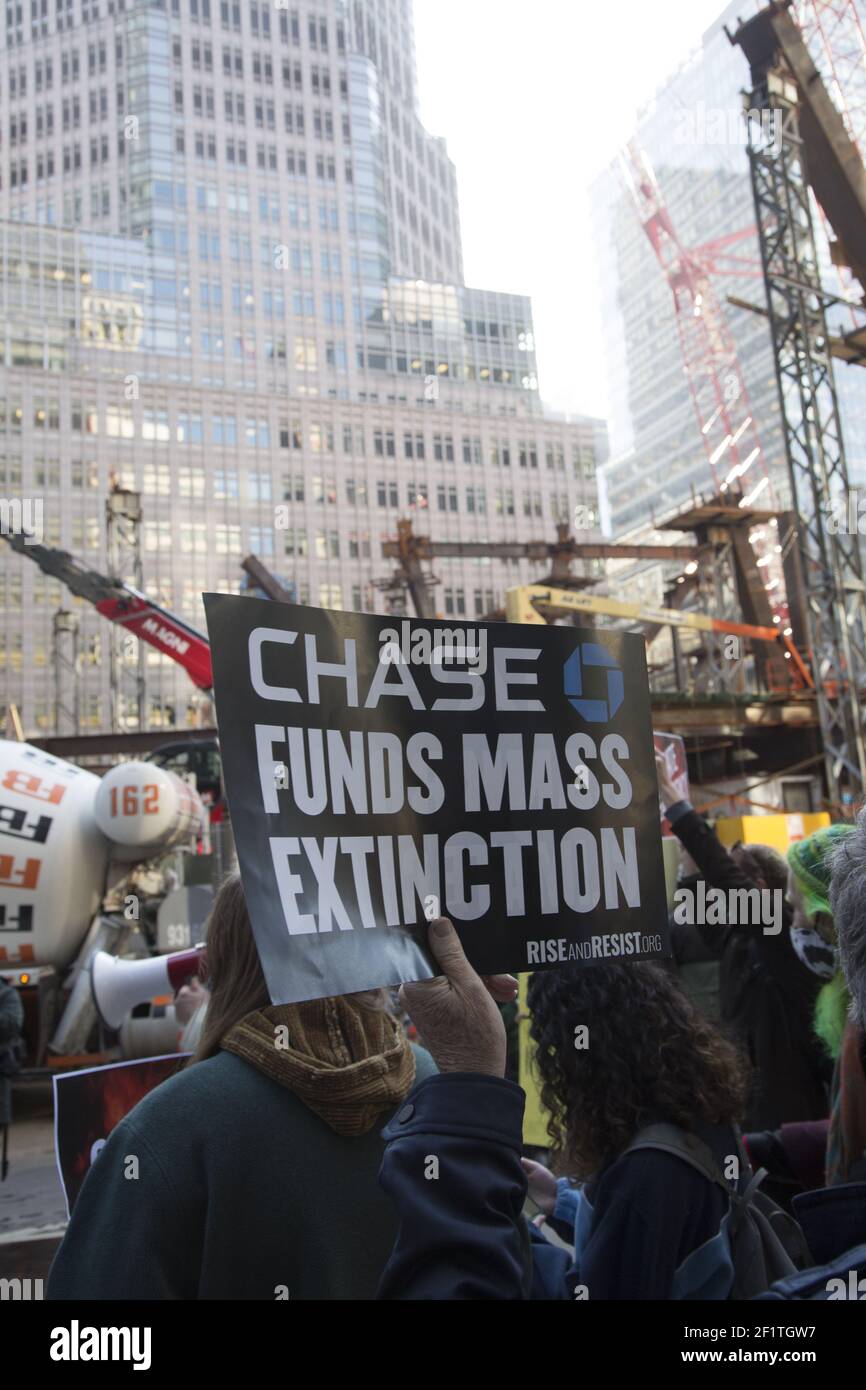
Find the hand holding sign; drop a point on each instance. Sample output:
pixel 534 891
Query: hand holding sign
pixel 455 1014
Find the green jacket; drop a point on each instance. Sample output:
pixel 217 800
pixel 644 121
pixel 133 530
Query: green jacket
pixel 222 1184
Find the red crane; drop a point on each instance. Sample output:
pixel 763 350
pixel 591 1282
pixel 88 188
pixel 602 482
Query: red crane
pixel 121 603
pixel 718 390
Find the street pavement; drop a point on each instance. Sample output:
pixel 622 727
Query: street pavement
pixel 32 1206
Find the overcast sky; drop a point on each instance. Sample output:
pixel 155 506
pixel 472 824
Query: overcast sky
pixel 534 99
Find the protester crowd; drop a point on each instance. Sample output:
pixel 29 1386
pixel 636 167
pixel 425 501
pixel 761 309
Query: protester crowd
pixel 318 1150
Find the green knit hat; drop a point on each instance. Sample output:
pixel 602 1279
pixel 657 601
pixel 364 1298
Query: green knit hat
pixel 809 863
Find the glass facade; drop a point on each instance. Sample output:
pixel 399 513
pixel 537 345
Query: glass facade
pixel 694 136
pixel 231 279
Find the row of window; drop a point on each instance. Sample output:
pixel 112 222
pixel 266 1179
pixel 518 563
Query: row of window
pixel 264 114
pixel 272 302
pixel 286 26
pixel 236 153
pixel 175 239
pixel 189 428
pixel 238 200
pixel 290 75
pixel 387 494
pixel 227 484
pixel 70 68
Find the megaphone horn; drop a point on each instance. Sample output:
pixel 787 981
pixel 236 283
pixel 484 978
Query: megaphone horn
pixel 118 985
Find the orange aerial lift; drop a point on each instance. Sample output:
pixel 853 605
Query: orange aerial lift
pixel 524 604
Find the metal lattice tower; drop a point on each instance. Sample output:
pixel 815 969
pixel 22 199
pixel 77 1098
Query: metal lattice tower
pixel 835 610
pixel 127 678
pixel 66 661
pixel 833 32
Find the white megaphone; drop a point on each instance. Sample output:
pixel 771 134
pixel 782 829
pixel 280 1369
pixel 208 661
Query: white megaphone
pixel 119 985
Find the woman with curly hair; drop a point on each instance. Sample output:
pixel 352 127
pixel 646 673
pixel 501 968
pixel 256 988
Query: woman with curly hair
pixel 620 1048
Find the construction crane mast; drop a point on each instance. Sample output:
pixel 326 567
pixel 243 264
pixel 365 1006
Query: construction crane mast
pixel 805 143
pixel 724 416
pixel 834 35
pixel 726 425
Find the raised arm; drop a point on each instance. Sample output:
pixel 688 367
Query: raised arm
pixel 452 1167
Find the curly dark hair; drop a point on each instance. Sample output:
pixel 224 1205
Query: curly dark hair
pixel 650 1057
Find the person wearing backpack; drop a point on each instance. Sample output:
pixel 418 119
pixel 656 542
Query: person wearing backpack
pixel 11 1048
pixel 644 1097
pixel 644 1114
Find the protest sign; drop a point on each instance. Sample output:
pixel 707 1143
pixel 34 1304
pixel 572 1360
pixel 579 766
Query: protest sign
pixel 379 775
pixel 89 1103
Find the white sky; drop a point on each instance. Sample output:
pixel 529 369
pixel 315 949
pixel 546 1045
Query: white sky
pixel 534 99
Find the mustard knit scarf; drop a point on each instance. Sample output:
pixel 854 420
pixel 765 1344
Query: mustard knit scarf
pixel 345 1060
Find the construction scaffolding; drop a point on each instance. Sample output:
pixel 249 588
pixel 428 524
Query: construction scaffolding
pixel 806 145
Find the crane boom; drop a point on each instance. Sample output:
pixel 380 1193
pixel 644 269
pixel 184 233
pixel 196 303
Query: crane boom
pixel 120 603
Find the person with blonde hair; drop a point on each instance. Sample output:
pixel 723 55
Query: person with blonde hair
pixel 252 1173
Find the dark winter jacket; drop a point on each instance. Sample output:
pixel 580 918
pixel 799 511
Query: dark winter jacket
pixel 461 1234
pixel 649 1227
pixel 654 1230
pixel 222 1184
pixel 767 993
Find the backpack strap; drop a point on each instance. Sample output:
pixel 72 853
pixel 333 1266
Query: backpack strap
pixel 681 1144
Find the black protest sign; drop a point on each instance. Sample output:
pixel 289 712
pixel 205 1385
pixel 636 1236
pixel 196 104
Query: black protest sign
pixel 380 772
pixel 87 1106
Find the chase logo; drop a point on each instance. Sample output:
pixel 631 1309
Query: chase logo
pixel 587 655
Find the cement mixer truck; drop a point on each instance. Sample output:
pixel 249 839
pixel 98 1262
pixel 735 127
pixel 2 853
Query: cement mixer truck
pixel 122 865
